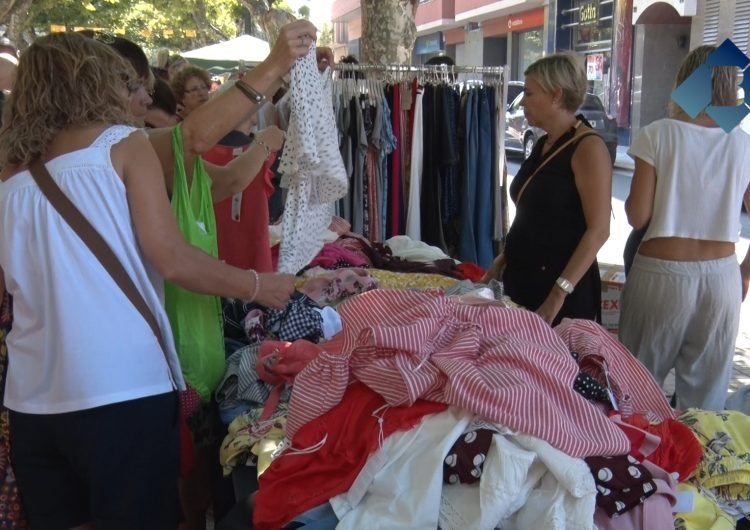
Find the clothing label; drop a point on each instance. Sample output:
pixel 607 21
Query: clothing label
pixel 236 206
pixel 685 501
pixel 612 399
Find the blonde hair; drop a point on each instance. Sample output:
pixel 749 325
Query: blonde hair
pixel 63 80
pixel 564 71
pixel 181 78
pixel 723 79
pixel 162 58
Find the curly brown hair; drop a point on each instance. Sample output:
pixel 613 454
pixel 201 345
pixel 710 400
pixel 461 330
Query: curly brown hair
pixel 181 78
pixel 63 80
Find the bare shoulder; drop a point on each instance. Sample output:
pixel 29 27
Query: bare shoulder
pixel 591 148
pixel 129 150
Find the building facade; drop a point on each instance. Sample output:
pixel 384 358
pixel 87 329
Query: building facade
pixel 631 48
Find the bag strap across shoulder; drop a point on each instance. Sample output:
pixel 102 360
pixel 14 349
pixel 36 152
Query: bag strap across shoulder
pixel 98 246
pixel 557 151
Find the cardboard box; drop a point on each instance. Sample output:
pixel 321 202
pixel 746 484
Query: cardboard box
pixel 613 280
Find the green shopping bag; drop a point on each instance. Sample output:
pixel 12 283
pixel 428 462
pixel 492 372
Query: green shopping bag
pixel 196 319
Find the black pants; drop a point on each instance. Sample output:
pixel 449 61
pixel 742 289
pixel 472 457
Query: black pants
pixel 116 465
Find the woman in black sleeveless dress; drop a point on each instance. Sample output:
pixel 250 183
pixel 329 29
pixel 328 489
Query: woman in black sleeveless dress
pixel 563 201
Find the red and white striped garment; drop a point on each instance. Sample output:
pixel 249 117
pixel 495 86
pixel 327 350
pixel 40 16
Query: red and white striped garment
pixel 506 365
pixel 641 392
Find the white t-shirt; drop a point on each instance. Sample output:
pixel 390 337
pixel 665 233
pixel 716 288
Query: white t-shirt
pixel 701 176
pixel 77 342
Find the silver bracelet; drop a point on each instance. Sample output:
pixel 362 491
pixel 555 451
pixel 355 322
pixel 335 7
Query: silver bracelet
pixel 257 284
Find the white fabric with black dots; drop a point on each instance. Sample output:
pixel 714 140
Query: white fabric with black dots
pixel 311 166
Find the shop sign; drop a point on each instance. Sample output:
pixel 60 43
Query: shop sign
pixel 527 20
pixel 595 67
pixel 427 44
pixel 588 13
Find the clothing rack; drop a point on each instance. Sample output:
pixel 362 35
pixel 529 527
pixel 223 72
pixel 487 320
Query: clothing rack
pixel 372 77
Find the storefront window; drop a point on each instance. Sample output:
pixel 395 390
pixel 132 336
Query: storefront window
pixel 529 49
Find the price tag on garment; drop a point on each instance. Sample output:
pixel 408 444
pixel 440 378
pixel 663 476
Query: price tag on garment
pixel 612 399
pixel 685 501
pixel 237 197
pixel 236 206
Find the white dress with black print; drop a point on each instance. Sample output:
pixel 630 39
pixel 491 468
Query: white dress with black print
pixel 311 165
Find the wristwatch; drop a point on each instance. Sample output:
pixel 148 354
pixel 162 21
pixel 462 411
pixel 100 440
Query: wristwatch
pixel 565 285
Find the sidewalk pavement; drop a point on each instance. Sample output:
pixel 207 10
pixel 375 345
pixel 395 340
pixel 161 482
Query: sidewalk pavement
pixel 623 160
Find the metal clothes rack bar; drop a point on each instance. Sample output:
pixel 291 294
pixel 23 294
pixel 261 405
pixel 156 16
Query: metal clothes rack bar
pixel 423 69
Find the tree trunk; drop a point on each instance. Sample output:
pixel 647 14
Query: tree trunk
pixel 388 31
pixel 15 14
pixel 267 18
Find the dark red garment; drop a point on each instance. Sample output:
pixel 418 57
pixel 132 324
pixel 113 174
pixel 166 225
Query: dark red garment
pixel 621 482
pixel 471 271
pixel 295 483
pixel 244 242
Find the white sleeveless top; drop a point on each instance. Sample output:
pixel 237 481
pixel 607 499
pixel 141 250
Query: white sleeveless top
pixel 77 342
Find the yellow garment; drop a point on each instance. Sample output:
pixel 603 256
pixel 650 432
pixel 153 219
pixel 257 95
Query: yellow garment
pixel 264 448
pixel 243 436
pixel 399 280
pixel 725 437
pixel 411 280
pixel 706 514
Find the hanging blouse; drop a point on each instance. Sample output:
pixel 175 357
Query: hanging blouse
pixel 311 165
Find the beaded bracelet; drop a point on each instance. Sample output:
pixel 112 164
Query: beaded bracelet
pixel 257 285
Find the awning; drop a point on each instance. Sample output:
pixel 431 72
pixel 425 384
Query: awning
pixel 226 56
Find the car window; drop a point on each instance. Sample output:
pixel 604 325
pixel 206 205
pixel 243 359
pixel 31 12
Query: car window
pixel 592 102
pixel 513 91
pixel 516 102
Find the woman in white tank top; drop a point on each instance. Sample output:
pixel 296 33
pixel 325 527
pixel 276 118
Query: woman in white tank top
pixel 85 368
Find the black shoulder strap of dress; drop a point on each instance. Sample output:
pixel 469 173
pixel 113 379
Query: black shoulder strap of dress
pixel 557 151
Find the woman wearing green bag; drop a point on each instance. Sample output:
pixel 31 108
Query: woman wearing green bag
pixel 96 369
pixel 193 185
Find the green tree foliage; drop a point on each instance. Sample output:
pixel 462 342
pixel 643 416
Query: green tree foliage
pixel 177 25
pixel 325 34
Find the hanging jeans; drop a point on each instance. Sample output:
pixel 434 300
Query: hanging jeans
pixel 467 250
pixel 483 222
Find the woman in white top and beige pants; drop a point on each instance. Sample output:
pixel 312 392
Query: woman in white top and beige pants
pixel 681 303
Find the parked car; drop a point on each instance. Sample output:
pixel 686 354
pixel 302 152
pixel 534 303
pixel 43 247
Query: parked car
pixel 514 88
pixel 521 138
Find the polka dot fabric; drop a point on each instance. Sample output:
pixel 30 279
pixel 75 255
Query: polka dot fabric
pixel 311 166
pixel 464 462
pixel 621 483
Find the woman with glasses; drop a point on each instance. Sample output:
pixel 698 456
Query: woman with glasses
pixel 191 88
pixel 140 90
